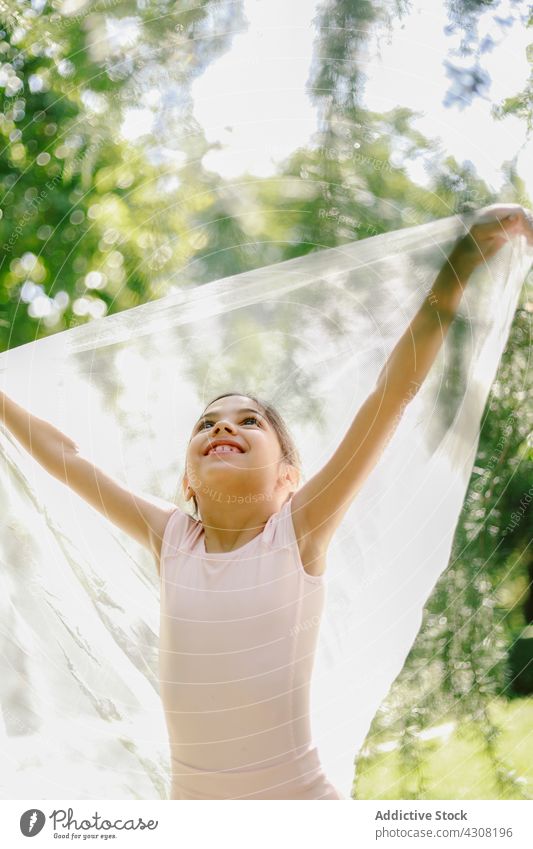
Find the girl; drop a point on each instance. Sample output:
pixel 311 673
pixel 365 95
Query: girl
pixel 242 585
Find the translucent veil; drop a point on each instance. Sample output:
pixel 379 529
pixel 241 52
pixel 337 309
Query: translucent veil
pixel 79 603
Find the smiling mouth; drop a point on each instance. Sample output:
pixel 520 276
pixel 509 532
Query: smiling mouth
pixel 224 449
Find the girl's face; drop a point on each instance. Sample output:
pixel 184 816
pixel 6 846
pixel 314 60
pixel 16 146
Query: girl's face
pixel 254 468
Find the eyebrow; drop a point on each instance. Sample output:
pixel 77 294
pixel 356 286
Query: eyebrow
pixel 216 412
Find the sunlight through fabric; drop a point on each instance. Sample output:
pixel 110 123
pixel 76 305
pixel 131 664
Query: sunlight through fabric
pixel 81 716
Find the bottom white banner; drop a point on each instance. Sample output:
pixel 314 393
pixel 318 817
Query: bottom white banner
pixel 275 823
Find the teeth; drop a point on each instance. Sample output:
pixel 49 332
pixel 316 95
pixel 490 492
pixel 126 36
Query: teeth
pixel 224 449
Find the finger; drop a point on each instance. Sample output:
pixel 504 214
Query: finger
pixel 497 225
pixel 528 216
pixel 498 209
pixel 498 212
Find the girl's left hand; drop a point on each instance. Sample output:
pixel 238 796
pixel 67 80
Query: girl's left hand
pixel 494 226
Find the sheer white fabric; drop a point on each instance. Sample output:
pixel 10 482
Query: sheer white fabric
pixel 79 603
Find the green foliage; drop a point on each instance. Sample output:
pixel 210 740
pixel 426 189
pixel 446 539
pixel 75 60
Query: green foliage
pixel 84 227
pixel 455 763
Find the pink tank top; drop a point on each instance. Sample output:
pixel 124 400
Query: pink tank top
pixel 238 633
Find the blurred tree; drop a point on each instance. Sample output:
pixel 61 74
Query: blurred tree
pixel 82 230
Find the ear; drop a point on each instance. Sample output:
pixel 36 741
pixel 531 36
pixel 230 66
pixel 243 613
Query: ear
pixel 290 476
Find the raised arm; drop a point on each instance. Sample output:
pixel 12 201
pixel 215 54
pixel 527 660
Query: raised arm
pixel 142 517
pixel 319 506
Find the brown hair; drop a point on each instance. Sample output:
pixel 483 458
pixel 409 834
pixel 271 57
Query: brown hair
pixel 289 452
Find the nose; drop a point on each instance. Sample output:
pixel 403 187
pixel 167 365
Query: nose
pixel 223 423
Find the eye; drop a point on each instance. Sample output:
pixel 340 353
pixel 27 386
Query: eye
pixel 210 421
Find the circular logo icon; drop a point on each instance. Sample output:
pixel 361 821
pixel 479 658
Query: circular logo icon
pixel 32 822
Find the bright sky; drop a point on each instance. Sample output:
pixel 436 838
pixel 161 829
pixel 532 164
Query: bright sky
pixel 254 100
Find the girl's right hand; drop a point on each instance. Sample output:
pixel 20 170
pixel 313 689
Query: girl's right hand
pixel 494 226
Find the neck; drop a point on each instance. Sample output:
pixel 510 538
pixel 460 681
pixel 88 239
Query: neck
pixel 230 526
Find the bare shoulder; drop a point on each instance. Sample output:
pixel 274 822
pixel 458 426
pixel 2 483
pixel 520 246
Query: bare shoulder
pixel 159 517
pixel 312 552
